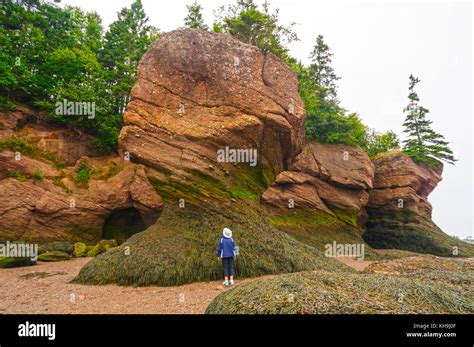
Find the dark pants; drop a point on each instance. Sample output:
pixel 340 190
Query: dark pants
pixel 228 265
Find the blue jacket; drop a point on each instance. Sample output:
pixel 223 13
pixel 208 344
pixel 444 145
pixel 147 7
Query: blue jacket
pixel 226 247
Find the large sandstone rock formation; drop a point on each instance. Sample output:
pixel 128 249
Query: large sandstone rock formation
pixel 41 199
pixel 399 211
pixel 234 96
pixel 199 92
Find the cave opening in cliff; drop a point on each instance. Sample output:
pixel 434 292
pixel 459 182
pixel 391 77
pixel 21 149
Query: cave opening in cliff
pixel 122 224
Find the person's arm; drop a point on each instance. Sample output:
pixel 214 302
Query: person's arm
pixel 219 249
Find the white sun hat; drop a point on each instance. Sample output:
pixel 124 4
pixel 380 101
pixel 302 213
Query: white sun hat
pixel 227 233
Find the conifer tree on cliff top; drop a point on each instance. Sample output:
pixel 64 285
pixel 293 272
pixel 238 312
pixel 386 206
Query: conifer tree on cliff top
pixel 423 144
pixel 194 18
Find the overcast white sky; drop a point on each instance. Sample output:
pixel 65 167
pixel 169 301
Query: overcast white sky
pixel 376 46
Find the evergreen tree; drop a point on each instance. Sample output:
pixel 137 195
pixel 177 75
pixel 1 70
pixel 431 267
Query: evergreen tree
pixel 194 18
pixel 423 144
pixel 326 121
pixel 323 75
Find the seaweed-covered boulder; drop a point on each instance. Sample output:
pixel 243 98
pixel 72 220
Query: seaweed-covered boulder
pixel 11 262
pixel 80 250
pixel 54 256
pixel 101 247
pixel 62 246
pixel 323 292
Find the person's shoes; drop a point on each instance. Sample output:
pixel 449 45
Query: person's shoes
pixel 231 282
pixel 225 283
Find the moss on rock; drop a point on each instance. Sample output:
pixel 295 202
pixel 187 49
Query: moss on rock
pixel 80 250
pixel 95 250
pixel 318 229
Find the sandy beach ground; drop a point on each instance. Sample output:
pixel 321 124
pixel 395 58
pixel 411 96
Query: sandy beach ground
pixel 45 288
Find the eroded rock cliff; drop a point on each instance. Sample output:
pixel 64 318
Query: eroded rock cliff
pixel 399 211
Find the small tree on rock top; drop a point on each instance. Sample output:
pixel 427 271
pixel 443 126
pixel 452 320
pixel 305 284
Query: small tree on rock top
pixel 423 144
pixel 194 18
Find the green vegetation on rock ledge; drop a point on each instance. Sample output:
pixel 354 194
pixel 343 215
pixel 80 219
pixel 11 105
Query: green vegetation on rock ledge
pixel 30 150
pixel 181 248
pixel 247 183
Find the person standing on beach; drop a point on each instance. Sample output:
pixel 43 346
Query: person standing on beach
pixel 226 251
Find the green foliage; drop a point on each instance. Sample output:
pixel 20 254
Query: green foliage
pixel 337 128
pixel 261 28
pixel 82 175
pixel 125 42
pixel 18 176
pixel 194 19
pixel 326 121
pixel 377 143
pixel 51 54
pixel 38 176
pixel 323 76
pixel 423 144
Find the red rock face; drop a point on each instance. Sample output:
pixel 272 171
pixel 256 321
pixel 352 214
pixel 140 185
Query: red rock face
pixel 324 178
pixel 36 204
pixel 402 185
pixel 198 92
pixel 67 144
pixel 40 210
